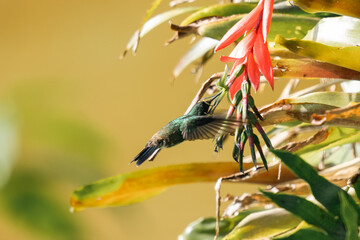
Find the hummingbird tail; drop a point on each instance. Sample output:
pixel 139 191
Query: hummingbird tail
pixel 147 153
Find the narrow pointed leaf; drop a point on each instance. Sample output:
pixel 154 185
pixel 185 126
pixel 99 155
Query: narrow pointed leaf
pixel 229 9
pixel 309 212
pixel 154 22
pixel 137 186
pixel 323 190
pixel 175 3
pixel 338 99
pixel 336 137
pixel 347 116
pixel 348 57
pixel 344 7
pixel 285 25
pixel 309 68
pixel 198 50
pixel 155 4
pixel 350 217
pixel 355 181
pixel 219 10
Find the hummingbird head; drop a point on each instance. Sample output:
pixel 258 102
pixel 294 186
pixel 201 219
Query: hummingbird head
pixel 202 107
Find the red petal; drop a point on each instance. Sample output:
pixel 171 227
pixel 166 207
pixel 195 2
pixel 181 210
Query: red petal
pixel 263 59
pixel 228 59
pixel 242 26
pixel 236 86
pixel 253 71
pixel 244 46
pixel 266 21
pixel 238 62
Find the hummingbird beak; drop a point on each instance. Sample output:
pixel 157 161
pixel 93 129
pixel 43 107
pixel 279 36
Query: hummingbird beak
pixel 211 98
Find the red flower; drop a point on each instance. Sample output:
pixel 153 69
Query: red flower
pixel 252 51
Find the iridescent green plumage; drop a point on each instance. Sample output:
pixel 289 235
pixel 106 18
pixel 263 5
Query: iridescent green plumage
pixel 197 124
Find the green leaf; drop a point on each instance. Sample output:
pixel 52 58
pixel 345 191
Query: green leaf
pixel 323 190
pixel 264 224
pixel 286 25
pixel 151 10
pixel 27 200
pixel 355 181
pixel 309 212
pixel 219 10
pixel 205 228
pixel 349 216
pixel 336 137
pixel 153 23
pixel 226 10
pixel 348 57
pixel 344 7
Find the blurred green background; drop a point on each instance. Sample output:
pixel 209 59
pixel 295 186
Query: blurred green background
pixel 71 113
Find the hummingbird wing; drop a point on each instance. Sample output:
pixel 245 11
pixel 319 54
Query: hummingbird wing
pixel 205 127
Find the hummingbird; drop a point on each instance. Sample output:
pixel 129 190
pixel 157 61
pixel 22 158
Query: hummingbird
pixel 199 123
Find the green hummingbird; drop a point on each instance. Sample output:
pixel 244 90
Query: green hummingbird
pixel 199 123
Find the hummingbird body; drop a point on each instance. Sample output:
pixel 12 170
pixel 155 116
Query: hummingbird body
pixel 198 124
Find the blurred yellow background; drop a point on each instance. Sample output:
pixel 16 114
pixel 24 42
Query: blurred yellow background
pixel 71 113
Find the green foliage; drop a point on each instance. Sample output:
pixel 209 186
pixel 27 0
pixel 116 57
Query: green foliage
pixel 305 49
pixel 246 225
pixel 309 212
pixel 204 228
pixel 324 191
pixel 27 199
pixel 340 219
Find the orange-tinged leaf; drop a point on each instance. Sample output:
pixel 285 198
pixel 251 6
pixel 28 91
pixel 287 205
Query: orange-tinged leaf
pixel 347 116
pixel 309 68
pixel 137 186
